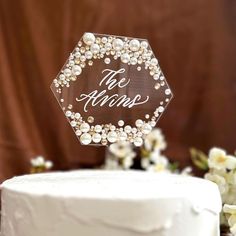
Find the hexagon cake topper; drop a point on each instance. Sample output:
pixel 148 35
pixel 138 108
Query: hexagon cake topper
pixel 111 89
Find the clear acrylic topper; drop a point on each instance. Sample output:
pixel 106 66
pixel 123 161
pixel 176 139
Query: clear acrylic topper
pixel 111 89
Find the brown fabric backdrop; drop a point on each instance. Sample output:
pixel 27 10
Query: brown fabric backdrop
pixel 196 45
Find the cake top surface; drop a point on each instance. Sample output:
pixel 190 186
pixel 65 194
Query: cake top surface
pixel 112 198
pixel 113 185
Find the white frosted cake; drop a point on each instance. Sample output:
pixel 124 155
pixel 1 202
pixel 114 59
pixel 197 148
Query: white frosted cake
pixel 109 203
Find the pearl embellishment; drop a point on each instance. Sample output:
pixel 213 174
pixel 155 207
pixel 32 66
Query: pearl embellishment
pixel 85 138
pixel 139 123
pixel 67 72
pixel 134 45
pixel 98 128
pixel 125 58
pixel 96 138
pixel 146 129
pixel 138 141
pixel 112 136
pixel 95 48
pixel 118 44
pixel 84 127
pixel 76 70
pixel 89 38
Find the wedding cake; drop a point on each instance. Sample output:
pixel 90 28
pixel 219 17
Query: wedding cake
pixel 109 203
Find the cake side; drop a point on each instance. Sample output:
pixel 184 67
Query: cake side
pixel 109 203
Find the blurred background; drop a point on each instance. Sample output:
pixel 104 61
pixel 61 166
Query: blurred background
pixel 195 43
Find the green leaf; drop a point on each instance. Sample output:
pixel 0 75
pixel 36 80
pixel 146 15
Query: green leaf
pixel 173 166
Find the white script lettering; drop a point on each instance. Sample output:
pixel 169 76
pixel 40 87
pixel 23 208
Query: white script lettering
pixel 96 98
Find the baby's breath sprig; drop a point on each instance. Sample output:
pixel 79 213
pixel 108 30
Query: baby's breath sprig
pixel 40 165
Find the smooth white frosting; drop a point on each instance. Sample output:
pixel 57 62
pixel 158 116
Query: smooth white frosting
pixel 109 203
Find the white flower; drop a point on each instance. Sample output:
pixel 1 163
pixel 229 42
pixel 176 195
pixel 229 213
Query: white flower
pixel 38 161
pixel 230 197
pixel 218 159
pixel 155 141
pixel 122 149
pixel 219 180
pixel 162 160
pixel 186 171
pixel 230 177
pixel 222 171
pixel 155 162
pixel 155 156
pixel 145 163
pixel 231 211
pixel 233 229
pixel 120 156
pixel 112 164
pixel 48 165
pixel 158 168
pixel 159 165
pixel 127 162
pixel 33 162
